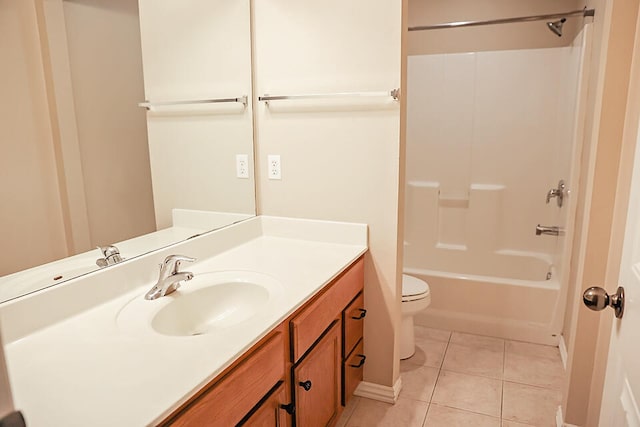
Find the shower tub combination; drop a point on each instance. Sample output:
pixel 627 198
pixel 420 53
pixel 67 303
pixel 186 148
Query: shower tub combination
pixel 485 143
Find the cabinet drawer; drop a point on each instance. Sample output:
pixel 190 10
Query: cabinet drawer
pixel 352 370
pixel 353 323
pixel 307 326
pixel 227 402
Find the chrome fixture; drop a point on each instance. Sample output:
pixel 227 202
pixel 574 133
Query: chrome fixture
pixel 394 93
pixel 150 105
pixel 550 231
pixel 110 256
pixel 584 13
pixel 170 277
pixel 596 299
pixel 556 26
pixel 559 193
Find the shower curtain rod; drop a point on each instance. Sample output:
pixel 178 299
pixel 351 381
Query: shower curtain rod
pixel 582 12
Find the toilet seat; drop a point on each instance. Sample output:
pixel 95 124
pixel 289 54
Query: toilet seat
pixel 413 288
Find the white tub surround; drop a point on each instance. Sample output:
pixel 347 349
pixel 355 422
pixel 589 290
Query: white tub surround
pixel 72 363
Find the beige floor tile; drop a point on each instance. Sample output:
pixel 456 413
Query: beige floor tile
pixel 434 334
pixel 418 381
pixel 468 392
pixel 506 423
pixel 441 416
pixel 405 413
pixel 475 359
pixel 429 352
pixel 530 405
pixel 533 364
pixel 478 340
pixel 348 411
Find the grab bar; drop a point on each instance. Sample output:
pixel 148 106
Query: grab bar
pixel 394 93
pixel 149 105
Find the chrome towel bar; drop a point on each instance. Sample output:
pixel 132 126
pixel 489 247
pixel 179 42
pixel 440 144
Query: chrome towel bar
pixel 394 93
pixel 149 105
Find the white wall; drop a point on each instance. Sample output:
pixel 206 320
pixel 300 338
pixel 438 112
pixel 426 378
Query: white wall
pixel 340 159
pixel 193 50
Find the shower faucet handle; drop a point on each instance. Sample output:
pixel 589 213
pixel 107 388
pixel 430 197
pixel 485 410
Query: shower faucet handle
pixel 559 193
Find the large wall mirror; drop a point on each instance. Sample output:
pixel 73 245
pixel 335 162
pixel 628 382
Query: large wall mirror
pixel 123 122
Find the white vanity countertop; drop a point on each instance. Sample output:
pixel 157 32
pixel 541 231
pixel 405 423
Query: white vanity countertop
pixel 87 369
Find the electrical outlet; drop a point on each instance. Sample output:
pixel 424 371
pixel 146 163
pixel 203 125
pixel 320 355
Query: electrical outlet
pixel 242 166
pixel 273 166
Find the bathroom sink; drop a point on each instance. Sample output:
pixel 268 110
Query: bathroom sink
pixel 207 303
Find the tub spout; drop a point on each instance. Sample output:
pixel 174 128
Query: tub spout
pixel 549 230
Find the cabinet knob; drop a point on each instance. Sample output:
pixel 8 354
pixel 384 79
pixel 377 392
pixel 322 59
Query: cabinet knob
pixel 306 385
pixel 290 408
pixel 363 313
pixel 362 359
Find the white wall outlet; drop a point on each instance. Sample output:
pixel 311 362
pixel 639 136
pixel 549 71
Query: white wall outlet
pixel 242 166
pixel 273 166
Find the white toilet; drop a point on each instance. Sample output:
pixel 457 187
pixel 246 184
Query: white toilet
pixel 415 298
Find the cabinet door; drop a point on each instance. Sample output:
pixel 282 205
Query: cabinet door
pixel 317 382
pixel 270 413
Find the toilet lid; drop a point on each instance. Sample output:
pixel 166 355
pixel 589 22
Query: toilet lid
pixel 413 288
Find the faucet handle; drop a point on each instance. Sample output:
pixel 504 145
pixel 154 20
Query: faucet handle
pixel 173 262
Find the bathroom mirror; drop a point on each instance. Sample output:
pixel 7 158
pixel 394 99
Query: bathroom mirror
pixel 84 165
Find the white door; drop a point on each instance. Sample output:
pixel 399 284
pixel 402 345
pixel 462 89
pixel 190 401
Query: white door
pixel 622 385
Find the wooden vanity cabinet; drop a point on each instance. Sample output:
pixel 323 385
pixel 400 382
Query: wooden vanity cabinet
pixel 234 393
pixel 270 412
pixel 299 375
pixel 316 381
pixel 353 358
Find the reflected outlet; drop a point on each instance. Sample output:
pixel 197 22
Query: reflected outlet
pixel 242 166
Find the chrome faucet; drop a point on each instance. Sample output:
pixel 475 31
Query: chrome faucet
pixel 551 231
pixel 111 255
pixel 559 193
pixel 170 277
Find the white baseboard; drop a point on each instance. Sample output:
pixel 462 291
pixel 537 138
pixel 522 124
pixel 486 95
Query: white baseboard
pixel 560 418
pixel 379 392
pixel 562 346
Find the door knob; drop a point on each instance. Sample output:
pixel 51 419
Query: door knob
pixel 596 299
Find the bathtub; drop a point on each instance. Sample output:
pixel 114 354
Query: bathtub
pixel 507 294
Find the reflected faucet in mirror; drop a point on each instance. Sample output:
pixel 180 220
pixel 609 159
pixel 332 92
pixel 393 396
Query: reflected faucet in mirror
pixel 58 155
pixel 111 255
pixel 170 277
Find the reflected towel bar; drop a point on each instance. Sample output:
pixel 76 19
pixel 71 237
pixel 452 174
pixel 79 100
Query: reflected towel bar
pixel 149 105
pixel 394 93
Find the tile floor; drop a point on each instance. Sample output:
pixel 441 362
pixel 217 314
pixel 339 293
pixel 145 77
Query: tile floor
pixel 460 380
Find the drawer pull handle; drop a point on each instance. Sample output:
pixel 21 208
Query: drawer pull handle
pixel 363 313
pixel 306 385
pixel 290 408
pixel 362 359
